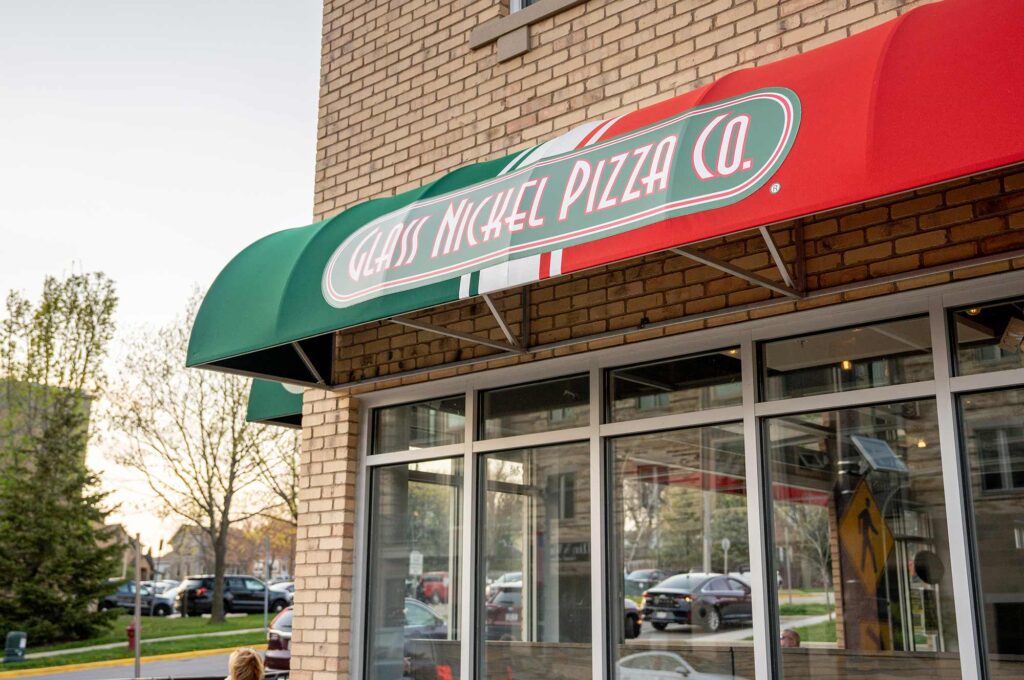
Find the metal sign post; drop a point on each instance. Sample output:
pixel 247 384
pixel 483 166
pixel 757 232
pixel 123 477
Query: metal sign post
pixel 137 619
pixel 266 582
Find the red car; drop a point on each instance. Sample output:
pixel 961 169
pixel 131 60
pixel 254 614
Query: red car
pixel 434 587
pixel 279 642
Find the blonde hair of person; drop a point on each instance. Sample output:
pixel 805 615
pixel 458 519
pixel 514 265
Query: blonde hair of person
pixel 245 664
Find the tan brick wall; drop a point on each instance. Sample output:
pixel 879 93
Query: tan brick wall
pixel 328 468
pixel 404 99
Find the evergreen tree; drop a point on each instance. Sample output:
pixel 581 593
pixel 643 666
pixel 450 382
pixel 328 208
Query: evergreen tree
pixel 55 553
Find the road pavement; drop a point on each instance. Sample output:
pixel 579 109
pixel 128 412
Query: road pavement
pixel 216 665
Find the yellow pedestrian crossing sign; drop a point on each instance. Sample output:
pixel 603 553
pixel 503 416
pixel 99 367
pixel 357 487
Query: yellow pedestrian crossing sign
pixel 865 537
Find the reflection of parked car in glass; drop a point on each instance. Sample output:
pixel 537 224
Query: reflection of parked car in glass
pixel 421 623
pixel 633 619
pixel 662 666
pixel 745 575
pixel 509 577
pixel 434 587
pixel 639 580
pixel 708 600
pixel 504 612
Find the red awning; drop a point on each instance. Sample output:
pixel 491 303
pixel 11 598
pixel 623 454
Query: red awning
pixel 933 95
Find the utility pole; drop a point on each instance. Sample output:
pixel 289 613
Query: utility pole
pixel 266 582
pixel 137 622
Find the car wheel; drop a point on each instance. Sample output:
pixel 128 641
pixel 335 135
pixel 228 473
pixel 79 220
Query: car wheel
pixel 632 627
pixel 435 598
pixel 712 620
pixel 278 605
pixel 659 625
pixel 162 610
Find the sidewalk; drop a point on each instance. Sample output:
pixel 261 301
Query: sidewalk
pixel 144 642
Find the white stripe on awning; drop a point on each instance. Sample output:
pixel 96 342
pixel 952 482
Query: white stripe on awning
pixel 511 273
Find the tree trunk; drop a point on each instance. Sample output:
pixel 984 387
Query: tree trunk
pixel 220 548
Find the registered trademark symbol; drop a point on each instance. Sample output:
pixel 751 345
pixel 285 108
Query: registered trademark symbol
pixel 775 188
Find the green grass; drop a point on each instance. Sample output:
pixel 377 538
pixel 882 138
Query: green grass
pixel 152 649
pixel 809 609
pixel 819 632
pixel 156 627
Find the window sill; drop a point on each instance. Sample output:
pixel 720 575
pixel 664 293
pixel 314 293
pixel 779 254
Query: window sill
pixel 512 32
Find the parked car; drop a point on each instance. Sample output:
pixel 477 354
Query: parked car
pixel 509 577
pixel 434 587
pixel 279 642
pixel 421 623
pixel 241 594
pixel 125 597
pixel 661 666
pixel 633 620
pixel 286 586
pixel 745 576
pixel 504 612
pixel 708 600
pixel 117 588
pixel 639 580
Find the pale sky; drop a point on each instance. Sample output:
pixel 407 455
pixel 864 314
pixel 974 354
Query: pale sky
pixel 151 140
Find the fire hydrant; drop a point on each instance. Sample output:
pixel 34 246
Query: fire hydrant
pixel 131 635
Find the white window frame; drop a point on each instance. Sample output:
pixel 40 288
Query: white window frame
pixel 935 301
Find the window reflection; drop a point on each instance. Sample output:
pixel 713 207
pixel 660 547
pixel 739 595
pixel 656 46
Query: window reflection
pixel 875 355
pixel 692 383
pixel 536 563
pixel 545 406
pixel 407 427
pixel 682 550
pixel 860 542
pixel 412 603
pixel 989 337
pixel 993 424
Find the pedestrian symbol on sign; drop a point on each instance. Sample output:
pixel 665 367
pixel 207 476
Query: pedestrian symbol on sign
pixel 865 537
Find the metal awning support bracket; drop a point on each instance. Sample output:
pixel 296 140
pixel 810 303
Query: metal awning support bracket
pixel 721 265
pixel 468 337
pixel 501 321
pixel 780 264
pixel 309 364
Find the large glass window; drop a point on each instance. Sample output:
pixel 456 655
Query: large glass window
pixel 860 543
pixel 535 563
pixel 692 383
pixel 875 355
pixel 407 427
pixel 681 555
pixel 993 430
pixel 989 337
pixel 535 407
pixel 413 577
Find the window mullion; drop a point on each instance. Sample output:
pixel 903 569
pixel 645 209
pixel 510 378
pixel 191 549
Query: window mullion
pixel 600 632
pixel 757 525
pixel 469 567
pixel 953 489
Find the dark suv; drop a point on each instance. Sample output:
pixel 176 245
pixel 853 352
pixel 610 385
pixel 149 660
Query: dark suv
pixel 241 594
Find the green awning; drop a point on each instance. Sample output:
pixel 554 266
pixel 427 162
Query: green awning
pixel 274 403
pixel 266 315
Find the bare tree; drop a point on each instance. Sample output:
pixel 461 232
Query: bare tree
pixel 810 524
pixel 186 432
pixel 279 473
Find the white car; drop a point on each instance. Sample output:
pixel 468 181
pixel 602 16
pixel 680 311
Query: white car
pixel 662 666
pixel 745 577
